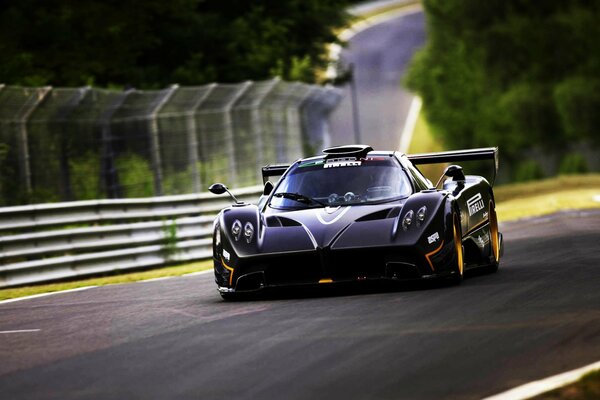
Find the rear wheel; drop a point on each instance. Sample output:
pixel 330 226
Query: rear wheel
pixel 458 274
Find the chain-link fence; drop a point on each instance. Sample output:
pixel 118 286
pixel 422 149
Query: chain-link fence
pixel 62 144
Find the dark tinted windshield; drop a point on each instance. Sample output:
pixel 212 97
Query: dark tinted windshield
pixel 344 181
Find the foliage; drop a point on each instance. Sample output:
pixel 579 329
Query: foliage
pixel 135 176
pixel 154 43
pixel 528 170
pixel 511 73
pixel 573 163
pixel 85 176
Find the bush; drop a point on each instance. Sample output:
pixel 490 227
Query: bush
pixel 573 163
pixel 135 176
pixel 85 176
pixel 528 171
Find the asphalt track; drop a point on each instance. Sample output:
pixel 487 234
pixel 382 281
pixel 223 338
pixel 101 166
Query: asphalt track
pixel 176 339
pixel 380 55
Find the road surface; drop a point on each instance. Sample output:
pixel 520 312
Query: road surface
pixel 380 55
pixel 176 339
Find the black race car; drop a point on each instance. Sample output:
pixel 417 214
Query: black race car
pixel 354 214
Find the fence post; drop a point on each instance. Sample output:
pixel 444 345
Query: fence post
pixel 154 139
pixel 110 178
pixel 27 109
pixel 62 116
pixel 257 127
pixel 229 130
pixel 192 138
pixel 307 146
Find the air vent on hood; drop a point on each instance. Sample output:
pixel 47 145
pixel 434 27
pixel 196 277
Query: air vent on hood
pixel 381 214
pixel 275 222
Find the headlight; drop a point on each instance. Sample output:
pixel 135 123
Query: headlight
pixel 236 229
pixel 248 232
pixel 421 215
pixel 407 220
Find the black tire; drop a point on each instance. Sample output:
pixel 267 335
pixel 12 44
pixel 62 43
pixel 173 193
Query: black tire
pixel 494 238
pixel 458 273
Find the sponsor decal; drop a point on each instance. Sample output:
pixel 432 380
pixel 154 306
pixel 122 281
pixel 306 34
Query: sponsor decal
pixel 311 164
pixel 475 204
pixel 433 238
pixel 226 254
pixel 342 162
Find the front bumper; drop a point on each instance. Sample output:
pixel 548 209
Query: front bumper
pixel 331 266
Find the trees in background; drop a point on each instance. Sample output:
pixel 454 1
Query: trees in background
pixel 513 73
pixel 152 43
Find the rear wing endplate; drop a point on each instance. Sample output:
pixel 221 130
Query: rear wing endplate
pixel 273 170
pixel 486 153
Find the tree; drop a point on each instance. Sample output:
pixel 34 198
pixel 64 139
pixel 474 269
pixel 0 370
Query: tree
pixel 152 43
pixel 515 73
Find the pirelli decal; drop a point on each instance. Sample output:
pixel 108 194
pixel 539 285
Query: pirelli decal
pixel 475 204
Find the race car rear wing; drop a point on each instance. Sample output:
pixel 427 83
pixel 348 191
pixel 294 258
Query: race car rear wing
pixel 272 170
pixel 486 153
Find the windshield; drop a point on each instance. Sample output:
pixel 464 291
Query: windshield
pixel 342 181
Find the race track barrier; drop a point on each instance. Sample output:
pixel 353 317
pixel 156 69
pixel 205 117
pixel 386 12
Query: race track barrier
pixel 46 242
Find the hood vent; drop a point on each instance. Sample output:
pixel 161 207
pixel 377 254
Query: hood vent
pixel 381 214
pixel 278 222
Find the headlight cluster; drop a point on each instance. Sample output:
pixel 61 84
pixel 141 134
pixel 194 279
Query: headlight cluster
pixel 248 231
pixel 410 217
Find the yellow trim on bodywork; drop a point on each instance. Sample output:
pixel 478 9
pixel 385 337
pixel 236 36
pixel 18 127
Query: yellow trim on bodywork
pixel 230 271
pixel 431 254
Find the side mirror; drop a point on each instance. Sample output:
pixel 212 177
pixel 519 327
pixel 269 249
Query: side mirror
pixel 455 172
pixel 452 171
pixel 219 188
pixel 268 188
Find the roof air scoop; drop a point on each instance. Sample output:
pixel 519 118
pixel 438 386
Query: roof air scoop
pixel 353 150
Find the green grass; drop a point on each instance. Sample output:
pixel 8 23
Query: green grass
pixel 105 280
pixel 548 196
pixel 424 142
pixel 520 200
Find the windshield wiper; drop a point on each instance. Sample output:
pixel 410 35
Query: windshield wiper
pixel 299 198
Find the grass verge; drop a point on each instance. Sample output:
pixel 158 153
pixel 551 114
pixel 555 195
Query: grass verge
pixel 520 200
pixel 587 388
pixel 177 270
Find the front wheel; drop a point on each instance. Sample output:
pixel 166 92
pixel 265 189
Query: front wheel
pixel 458 274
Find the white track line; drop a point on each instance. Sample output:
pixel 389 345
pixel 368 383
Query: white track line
pixel 21 331
pixel 35 296
pixel 199 272
pixel 162 278
pixel 545 385
pixel 347 34
pixel 409 124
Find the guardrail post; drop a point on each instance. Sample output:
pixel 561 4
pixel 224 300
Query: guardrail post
pixel 154 139
pixel 22 117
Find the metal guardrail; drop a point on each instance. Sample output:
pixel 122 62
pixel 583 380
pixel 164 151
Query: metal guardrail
pixel 46 242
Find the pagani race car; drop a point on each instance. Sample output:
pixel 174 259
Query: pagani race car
pixel 355 214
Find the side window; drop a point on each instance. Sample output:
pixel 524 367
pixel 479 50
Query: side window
pixel 419 179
